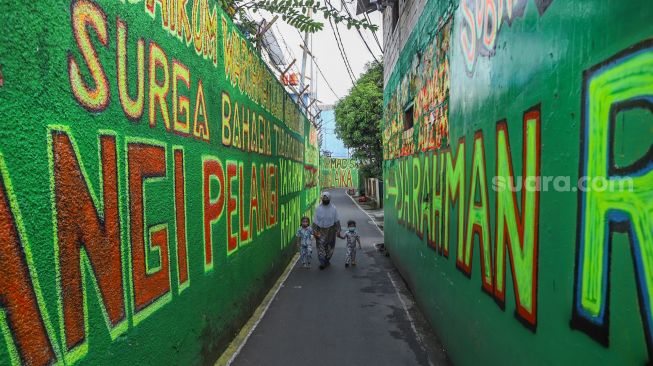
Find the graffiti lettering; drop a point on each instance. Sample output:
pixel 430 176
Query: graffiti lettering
pixel 86 13
pixel 454 190
pixel 478 218
pixel 289 172
pixel 232 201
pixel 147 163
pixel 341 173
pixel 213 204
pixel 290 220
pixel 245 233
pixel 180 219
pixel 19 297
pixel 311 148
pixel 614 86
pixel 97 99
pixel 482 21
pixel 518 233
pixel 133 108
pixel 86 237
pixel 422 95
pixel 288 146
pixel 254 137
pixel 246 72
pixel 426 187
pixel 203 34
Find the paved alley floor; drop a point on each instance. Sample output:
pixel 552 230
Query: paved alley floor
pixel 359 315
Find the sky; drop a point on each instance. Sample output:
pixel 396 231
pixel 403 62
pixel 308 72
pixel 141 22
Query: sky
pixel 327 55
pixel 330 141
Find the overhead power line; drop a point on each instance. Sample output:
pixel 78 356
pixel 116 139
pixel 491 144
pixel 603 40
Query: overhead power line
pixel 327 81
pixel 285 44
pixel 336 35
pixel 358 30
pixel 376 38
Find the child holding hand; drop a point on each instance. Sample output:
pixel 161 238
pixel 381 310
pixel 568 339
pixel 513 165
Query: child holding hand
pixel 304 234
pixel 352 237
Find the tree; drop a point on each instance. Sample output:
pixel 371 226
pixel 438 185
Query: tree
pixel 294 12
pixel 359 117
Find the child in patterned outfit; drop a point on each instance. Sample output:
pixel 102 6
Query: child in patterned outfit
pixel 304 234
pixel 352 238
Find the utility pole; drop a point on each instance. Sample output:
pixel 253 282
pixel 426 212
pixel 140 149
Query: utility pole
pixel 304 55
pixel 314 77
pixel 311 90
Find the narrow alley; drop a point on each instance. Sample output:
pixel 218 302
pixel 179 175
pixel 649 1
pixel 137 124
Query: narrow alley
pixel 158 159
pixel 360 315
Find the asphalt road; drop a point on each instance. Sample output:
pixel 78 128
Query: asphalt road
pixel 359 315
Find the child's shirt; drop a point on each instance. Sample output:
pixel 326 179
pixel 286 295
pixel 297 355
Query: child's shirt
pixel 352 238
pixel 305 235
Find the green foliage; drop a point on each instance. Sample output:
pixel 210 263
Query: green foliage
pixel 359 117
pixel 294 12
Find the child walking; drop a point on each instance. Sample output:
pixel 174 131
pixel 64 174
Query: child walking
pixel 304 234
pixel 352 237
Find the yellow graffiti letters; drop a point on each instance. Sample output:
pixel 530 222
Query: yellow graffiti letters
pixel 87 14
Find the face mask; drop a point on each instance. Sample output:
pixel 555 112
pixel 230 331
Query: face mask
pixel 326 202
pixel 352 229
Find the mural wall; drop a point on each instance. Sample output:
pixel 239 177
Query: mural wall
pixel 518 170
pixel 145 205
pixel 338 173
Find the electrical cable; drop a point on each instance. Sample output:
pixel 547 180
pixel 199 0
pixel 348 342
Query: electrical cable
pixel 336 34
pixel 285 44
pixel 276 67
pixel 376 38
pixel 341 47
pixel 357 30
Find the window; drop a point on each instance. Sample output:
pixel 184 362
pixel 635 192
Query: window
pixel 408 118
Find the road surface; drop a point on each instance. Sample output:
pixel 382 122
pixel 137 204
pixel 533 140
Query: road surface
pixel 359 315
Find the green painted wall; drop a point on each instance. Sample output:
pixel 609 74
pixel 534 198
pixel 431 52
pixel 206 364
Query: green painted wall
pixel 145 201
pixel 535 95
pixel 338 173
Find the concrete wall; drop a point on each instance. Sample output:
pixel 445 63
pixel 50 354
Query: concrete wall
pixel 145 199
pixel 395 38
pixel 513 256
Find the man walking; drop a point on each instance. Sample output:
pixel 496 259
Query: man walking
pixel 327 226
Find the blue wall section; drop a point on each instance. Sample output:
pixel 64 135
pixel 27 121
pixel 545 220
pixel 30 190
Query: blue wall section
pixel 330 141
